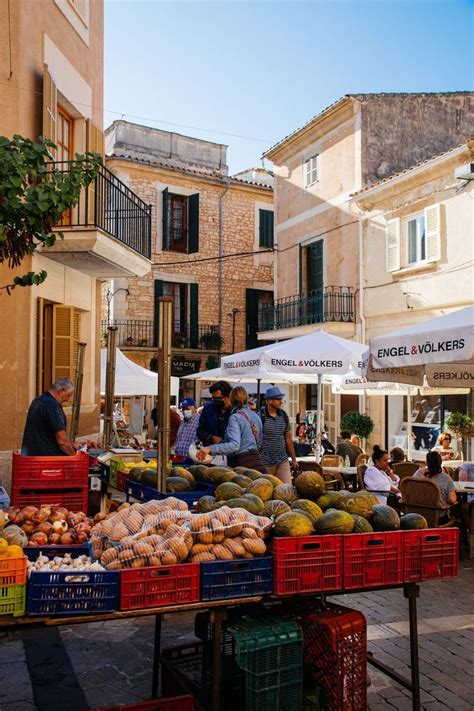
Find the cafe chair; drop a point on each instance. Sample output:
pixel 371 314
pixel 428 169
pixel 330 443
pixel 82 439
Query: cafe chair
pixel 332 460
pixel 362 458
pixel 310 467
pixel 361 469
pixel 423 496
pixel 404 469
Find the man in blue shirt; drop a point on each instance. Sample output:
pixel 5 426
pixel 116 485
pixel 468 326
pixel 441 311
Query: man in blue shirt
pixel 45 428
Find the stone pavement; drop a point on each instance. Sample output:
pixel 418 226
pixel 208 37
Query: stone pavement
pixel 106 663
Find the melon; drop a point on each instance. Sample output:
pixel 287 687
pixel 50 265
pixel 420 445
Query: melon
pixel 310 485
pixel 183 473
pixel 308 507
pixel 274 479
pixel 228 490
pixel 240 470
pixel 252 474
pixel 333 521
pixel 293 523
pixel 217 475
pixel 286 493
pixel 206 504
pixel 261 488
pixel 247 504
pixel 385 518
pixel 413 522
pixel 256 500
pixel 275 508
pixel 200 472
pixel 361 525
pixel 328 499
pixel 369 496
pixel 177 484
pixel 354 505
pixel 242 480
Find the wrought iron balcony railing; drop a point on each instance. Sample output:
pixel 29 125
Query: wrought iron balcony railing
pixel 140 334
pixel 111 206
pixel 333 303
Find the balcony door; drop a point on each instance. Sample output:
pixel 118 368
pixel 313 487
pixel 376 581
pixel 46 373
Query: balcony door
pixel 312 283
pixel 178 293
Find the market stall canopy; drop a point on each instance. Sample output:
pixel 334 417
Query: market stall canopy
pixel 216 374
pixel 131 379
pixel 442 349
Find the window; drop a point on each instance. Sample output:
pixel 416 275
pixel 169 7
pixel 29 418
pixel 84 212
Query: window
pixel 185 312
pixel 311 171
pixel 178 293
pixel 416 239
pixel 58 336
pixel 258 314
pixel 265 229
pixel 180 223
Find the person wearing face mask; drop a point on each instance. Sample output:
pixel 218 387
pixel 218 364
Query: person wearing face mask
pixel 187 429
pixel 215 415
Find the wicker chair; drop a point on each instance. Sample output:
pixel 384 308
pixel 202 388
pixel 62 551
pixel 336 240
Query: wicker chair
pixel 361 469
pixel 423 496
pixel 404 469
pixel 362 458
pixel 310 467
pixel 332 460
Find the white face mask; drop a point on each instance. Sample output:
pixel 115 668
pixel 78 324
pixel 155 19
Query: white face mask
pixel 187 414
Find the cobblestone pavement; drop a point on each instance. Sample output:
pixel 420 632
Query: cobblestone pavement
pixel 109 663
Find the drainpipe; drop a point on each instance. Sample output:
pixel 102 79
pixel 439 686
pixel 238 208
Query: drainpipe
pixel 220 288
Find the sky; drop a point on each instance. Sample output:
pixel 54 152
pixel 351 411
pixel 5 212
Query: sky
pixel 248 73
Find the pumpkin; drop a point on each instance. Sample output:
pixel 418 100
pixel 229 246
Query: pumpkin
pixel 273 479
pixel 275 508
pixel 261 488
pixel 328 499
pixel 293 523
pixel 252 474
pixel 413 522
pixel 310 485
pixel 200 472
pixel 307 507
pixel 361 525
pixel 241 480
pixel 228 490
pixel 369 496
pixel 244 503
pixel 385 518
pixel 333 521
pixel 183 473
pixel 256 500
pixel 177 484
pixel 217 475
pixel 286 493
pixel 354 505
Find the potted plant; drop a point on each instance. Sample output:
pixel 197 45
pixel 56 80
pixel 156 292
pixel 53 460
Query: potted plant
pixel 357 423
pixel 211 341
pixel 462 426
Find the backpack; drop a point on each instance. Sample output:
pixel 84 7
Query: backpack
pixel 263 416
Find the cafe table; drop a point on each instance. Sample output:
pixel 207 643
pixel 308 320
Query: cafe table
pixel 465 493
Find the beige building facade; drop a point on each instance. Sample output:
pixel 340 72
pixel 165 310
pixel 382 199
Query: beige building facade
pixel 358 140
pixel 51 63
pixel 212 239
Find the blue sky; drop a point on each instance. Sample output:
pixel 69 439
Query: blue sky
pixel 261 68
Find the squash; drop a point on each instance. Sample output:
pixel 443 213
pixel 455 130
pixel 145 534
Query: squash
pixel 369 496
pixel 256 500
pixel 14 535
pixel 310 485
pixel 245 503
pixel 252 474
pixel 261 488
pixel 328 499
pixel 177 484
pixel 275 508
pixel 184 474
pixel 307 507
pixel 242 481
pixel 413 522
pixel 228 490
pixel 292 523
pixel 206 503
pixel 217 475
pixel 361 525
pixel 273 479
pixel 200 472
pixel 354 505
pixel 333 521
pixel 385 518
pixel 286 493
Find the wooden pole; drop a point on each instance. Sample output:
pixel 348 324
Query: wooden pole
pixel 76 402
pixel 165 327
pixel 109 387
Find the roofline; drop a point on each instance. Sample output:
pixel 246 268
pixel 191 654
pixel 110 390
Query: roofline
pixel 409 172
pixel 164 130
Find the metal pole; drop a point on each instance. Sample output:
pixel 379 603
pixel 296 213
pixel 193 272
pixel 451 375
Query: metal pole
pixel 165 327
pixel 76 402
pixel 318 418
pixel 412 592
pixel 109 387
pixel 156 657
pixel 258 395
pixel 220 252
pixel 409 426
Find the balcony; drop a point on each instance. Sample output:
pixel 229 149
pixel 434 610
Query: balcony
pixel 108 233
pixel 295 315
pixel 141 334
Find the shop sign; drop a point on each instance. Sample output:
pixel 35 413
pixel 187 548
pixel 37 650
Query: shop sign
pixel 184 366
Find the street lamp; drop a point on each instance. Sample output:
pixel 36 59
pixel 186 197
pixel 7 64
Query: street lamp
pixel 110 296
pixel 233 316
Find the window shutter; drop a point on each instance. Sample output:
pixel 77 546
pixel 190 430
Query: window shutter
pixel 251 317
pixel 39 345
pixel 193 216
pixel 166 229
pixel 94 138
pixel 433 232
pixel 158 292
pixel 266 229
pixel 50 107
pixel 392 239
pixel 194 315
pixel 63 342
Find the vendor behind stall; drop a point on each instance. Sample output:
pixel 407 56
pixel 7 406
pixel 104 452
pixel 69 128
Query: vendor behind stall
pixel 45 429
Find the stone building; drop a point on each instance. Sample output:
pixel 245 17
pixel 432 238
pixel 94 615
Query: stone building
pixel 51 65
pixel 199 213
pixel 359 139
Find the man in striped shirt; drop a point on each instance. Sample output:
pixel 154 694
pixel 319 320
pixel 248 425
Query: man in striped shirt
pixel 276 444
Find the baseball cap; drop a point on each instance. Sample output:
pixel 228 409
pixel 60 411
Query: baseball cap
pixel 187 402
pixel 274 393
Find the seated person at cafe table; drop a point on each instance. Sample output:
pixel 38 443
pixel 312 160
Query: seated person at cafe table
pixel 397 455
pixel 380 479
pixel 434 471
pixel 345 448
pixel 444 447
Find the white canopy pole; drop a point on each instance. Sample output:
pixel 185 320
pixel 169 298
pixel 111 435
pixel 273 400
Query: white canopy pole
pixel 318 418
pixel 409 426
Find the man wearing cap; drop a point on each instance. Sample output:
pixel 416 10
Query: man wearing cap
pixel 187 429
pixel 276 444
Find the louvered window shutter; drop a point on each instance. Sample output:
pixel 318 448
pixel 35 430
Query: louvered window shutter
pixel 166 223
pixel 194 315
pixel 63 342
pixel 50 107
pixel 392 239
pixel 433 232
pixel 39 346
pixel 76 326
pixel 158 291
pixel 94 138
pixel 193 221
pixel 266 229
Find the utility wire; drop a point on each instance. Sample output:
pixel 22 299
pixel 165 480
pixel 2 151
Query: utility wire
pixel 213 259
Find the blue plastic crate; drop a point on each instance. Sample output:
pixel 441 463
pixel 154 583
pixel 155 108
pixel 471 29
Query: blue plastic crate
pixel 4 499
pixel 223 579
pixel 147 493
pixel 32 552
pixel 61 593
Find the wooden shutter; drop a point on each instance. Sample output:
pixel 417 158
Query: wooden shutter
pixel 63 342
pixel 193 221
pixel 194 315
pixel 158 291
pixel 314 266
pixel 166 223
pixel 266 228
pixel 94 138
pixel 433 232
pixel 39 345
pixel 50 107
pixel 251 317
pixel 392 245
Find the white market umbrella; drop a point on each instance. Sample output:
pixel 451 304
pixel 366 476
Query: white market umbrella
pixel 442 349
pixel 130 378
pixel 216 374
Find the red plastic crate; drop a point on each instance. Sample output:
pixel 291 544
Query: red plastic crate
pixel 372 559
pixel 177 703
pixel 335 654
pixel 156 586
pixel 121 480
pixel 50 472
pixel 430 554
pixel 307 564
pixel 72 500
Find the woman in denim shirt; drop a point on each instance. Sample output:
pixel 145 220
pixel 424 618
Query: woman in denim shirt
pixel 244 431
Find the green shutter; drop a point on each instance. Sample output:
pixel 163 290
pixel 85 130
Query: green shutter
pixel 158 293
pixel 166 226
pixel 266 229
pixel 251 317
pixel 193 316
pixel 193 217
